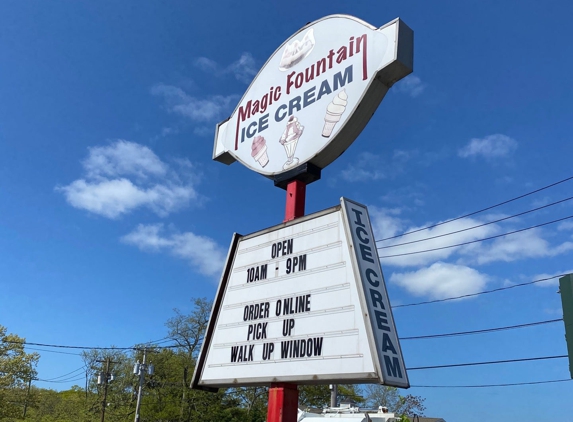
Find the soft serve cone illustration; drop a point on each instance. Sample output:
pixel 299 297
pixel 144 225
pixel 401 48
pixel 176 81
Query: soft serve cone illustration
pixel 289 140
pixel 334 112
pixel 259 150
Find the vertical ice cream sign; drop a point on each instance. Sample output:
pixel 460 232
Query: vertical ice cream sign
pixel 390 362
pixel 315 94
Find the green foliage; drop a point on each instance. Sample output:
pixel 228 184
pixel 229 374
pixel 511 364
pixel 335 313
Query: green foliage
pixel 318 396
pixel 313 396
pixel 17 368
pixel 380 395
pixel 188 330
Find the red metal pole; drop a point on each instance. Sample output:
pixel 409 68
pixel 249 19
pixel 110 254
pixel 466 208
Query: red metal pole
pixel 296 194
pixel 283 403
pixel 283 397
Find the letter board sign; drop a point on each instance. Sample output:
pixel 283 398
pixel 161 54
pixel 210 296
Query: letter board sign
pixel 303 302
pixel 315 94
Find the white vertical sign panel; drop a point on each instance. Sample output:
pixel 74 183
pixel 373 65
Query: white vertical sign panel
pixel 290 309
pixel 390 360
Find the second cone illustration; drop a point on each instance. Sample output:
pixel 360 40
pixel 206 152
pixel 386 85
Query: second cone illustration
pixel 334 112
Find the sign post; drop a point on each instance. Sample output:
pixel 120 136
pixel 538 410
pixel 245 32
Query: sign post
pixel 295 199
pixel 283 397
pixel 283 402
pixel 305 302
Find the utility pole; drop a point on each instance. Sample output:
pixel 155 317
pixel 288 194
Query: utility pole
pixel 27 395
pixel 104 378
pixel 566 290
pixel 333 394
pixel 140 369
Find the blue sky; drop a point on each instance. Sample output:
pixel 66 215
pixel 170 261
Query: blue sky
pixel 112 212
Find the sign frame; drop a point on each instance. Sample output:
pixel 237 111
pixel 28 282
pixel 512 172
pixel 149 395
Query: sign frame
pixel 364 307
pixel 398 63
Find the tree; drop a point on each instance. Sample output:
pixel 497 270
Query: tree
pixel 253 400
pixel 17 369
pixel 60 406
pixel 381 395
pixel 241 404
pixel 318 396
pixel 120 400
pixel 188 330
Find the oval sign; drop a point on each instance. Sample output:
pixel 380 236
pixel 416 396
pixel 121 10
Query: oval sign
pixel 315 94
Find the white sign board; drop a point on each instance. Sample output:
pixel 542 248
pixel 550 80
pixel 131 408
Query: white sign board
pixel 315 94
pixel 303 302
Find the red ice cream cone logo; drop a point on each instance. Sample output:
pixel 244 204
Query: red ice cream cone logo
pixel 259 151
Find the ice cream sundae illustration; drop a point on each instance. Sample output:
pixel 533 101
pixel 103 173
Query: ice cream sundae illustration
pixel 297 50
pixel 289 140
pixel 259 150
pixel 334 112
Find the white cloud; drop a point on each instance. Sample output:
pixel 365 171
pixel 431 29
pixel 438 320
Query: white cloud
pixel 410 195
pixel 411 85
pixel 243 69
pixel 527 244
pixel 199 110
pixel 204 131
pixel 385 221
pixel 566 225
pixel 554 311
pixel 201 252
pixel 124 176
pixel 123 158
pixel 370 166
pixel 422 242
pixel 490 147
pixel 109 198
pixel 206 65
pixel 441 280
pixel 552 281
pixel 166 131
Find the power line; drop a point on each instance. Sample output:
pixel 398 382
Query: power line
pixel 487 330
pixel 167 340
pixel 492 385
pixel 62 381
pixel 25 343
pixel 477 226
pixel 51 351
pixel 479 211
pixel 478 240
pixel 69 373
pixel 499 289
pixel 158 341
pixel 458 365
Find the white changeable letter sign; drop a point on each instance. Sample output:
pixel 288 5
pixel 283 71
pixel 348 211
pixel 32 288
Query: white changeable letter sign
pixel 303 302
pixel 390 360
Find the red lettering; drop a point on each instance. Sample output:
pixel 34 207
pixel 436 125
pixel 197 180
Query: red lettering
pixel 290 82
pixel 243 115
pixel 361 43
